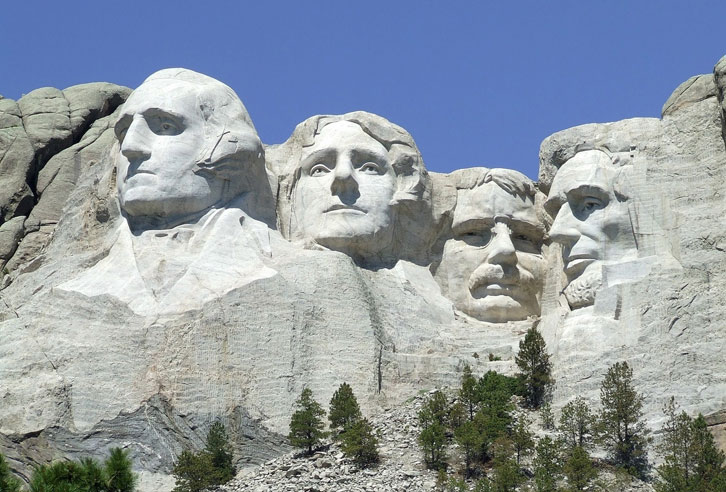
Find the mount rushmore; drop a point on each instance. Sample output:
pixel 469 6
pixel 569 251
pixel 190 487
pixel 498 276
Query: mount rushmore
pixel 162 268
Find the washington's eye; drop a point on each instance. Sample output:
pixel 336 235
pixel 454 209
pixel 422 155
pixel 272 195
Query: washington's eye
pixel 370 168
pixel 121 128
pixel 319 170
pixel 162 124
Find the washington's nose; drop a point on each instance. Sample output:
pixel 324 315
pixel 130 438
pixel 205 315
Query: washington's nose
pixel 135 146
pixel 502 250
pixel 564 228
pixel 343 180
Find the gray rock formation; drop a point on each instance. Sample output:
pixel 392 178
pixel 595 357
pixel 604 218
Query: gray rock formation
pixel 157 277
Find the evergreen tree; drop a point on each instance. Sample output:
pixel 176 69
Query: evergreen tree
pixel 360 443
pixel 579 470
pixel 7 481
pixel 92 476
pixel 691 461
pixel 575 423
pixel 534 363
pixel 220 453
pixel 118 472
pixel 470 439
pixel 457 415
pixel 494 417
pixel 468 394
pixel 621 423
pixel 546 416
pixel 521 437
pixel 506 474
pixel 344 409
pixel 306 425
pixel 432 438
pixel 193 472
pixel 547 465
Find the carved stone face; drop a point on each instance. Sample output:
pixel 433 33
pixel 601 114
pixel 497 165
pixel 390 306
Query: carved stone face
pixel 161 133
pixel 493 263
pixel 343 195
pixel 591 222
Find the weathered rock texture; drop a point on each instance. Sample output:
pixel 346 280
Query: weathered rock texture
pixel 86 365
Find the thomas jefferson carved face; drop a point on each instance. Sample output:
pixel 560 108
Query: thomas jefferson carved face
pixel 591 221
pixel 492 265
pixel 343 195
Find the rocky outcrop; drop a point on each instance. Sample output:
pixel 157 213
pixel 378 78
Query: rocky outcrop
pixel 132 314
pixel 47 124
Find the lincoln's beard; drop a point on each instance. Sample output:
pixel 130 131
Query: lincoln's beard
pixel 581 291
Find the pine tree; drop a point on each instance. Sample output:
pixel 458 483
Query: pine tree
pixel 579 470
pixel 506 474
pixel 344 409
pixel 546 416
pixel 521 437
pixel 534 362
pixel 547 465
pixel 306 425
pixel 470 439
pixel 432 438
pixel 193 472
pixel 468 393
pixel 691 460
pixel 621 423
pixel 117 472
pixel 575 423
pixel 360 443
pixel 220 453
pixel 7 481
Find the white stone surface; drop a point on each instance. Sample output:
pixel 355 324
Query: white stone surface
pixel 143 320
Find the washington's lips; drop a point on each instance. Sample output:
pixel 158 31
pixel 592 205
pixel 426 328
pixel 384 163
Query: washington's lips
pixel 340 207
pixel 575 264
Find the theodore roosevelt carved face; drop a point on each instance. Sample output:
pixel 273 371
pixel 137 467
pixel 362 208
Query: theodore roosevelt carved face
pixel 491 266
pixel 354 171
pixel 592 221
pixel 186 144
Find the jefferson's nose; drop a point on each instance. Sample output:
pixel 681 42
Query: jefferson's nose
pixel 564 228
pixel 343 180
pixel 501 249
pixel 136 145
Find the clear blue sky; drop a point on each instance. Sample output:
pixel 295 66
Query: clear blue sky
pixel 476 83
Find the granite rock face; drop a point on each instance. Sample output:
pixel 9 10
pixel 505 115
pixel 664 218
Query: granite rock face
pixel 163 269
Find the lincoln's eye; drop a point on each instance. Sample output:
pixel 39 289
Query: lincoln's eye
pixel 591 203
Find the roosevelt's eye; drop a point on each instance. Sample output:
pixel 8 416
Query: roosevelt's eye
pixel 319 170
pixel 370 168
pixel 475 237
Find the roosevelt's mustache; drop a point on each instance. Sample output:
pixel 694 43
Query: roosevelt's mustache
pixel 499 274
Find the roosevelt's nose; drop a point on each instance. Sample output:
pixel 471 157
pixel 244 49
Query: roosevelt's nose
pixel 343 179
pixel 564 228
pixel 136 145
pixel 501 249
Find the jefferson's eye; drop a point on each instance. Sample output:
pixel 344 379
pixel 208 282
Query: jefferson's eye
pixel 370 168
pixel 319 170
pixel 591 203
pixel 164 125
